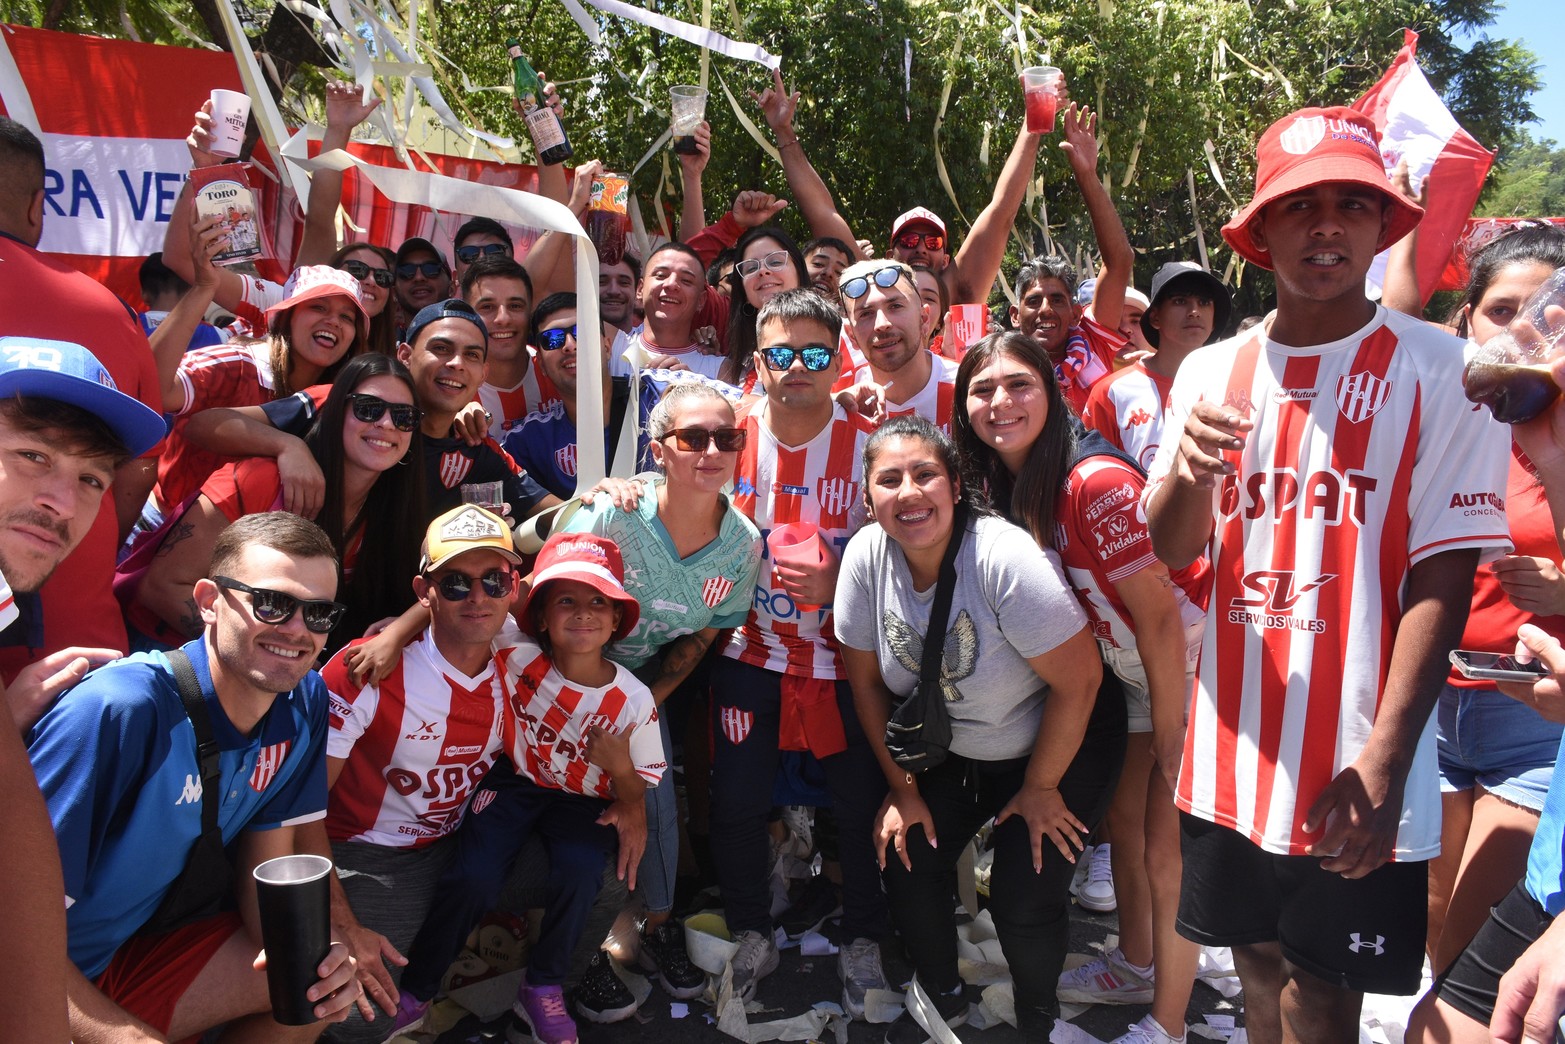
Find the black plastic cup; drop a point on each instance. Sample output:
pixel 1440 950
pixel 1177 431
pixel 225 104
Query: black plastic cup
pixel 295 900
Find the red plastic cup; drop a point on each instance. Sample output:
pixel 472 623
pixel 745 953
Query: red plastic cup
pixel 797 544
pixel 1041 91
pixel 965 325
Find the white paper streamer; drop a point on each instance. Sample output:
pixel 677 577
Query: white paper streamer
pixel 685 31
pixel 453 196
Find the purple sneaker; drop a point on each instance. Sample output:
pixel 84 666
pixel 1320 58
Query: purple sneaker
pixel 539 1016
pixel 409 1016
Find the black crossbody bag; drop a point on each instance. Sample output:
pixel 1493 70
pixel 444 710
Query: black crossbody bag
pixel 206 882
pixel 918 733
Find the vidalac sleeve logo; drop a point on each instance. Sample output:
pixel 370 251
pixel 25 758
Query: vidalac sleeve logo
pixel 1305 133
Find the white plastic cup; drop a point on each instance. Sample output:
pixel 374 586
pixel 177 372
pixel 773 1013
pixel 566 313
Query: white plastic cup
pixel 230 114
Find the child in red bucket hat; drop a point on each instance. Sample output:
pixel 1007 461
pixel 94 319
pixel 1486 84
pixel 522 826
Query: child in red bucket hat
pixel 1320 457
pixel 564 698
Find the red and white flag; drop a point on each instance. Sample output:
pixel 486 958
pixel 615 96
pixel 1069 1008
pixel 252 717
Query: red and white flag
pixel 1415 124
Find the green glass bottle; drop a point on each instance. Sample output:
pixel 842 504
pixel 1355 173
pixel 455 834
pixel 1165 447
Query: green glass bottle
pixel 547 133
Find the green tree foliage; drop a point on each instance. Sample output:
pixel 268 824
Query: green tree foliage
pixel 1532 184
pixel 1183 86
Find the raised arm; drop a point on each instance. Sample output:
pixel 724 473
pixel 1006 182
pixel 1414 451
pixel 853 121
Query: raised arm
pixel 983 251
pixel 692 212
pixel 551 263
pixel 804 184
pixel 172 337
pixel 345 110
pixel 1081 145
pixel 1399 290
pixel 230 289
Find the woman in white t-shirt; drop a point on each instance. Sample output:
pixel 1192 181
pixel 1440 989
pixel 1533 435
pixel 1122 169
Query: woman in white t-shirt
pixel 1019 674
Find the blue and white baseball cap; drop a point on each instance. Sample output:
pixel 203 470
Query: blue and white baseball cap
pixel 63 370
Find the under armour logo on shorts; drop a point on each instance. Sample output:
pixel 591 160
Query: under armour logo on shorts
pixel 1358 945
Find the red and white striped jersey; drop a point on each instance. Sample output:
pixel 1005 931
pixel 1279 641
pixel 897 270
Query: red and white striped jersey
pixel 550 716
pixel 230 375
pixel 1101 535
pixel 416 746
pixel 8 610
pixel 819 482
pixel 255 298
pixel 1365 460
pixel 1129 407
pixel 508 407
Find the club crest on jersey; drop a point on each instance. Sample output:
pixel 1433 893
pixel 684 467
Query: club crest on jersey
pixel 1361 395
pixel 715 589
pixel 267 762
pixel 454 467
pixel 836 495
pixel 736 724
pixel 565 460
pixel 482 800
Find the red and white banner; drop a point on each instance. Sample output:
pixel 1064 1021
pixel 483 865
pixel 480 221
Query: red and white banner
pixel 113 116
pixel 1415 125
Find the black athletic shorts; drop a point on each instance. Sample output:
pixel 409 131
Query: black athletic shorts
pixel 1472 982
pixel 1365 934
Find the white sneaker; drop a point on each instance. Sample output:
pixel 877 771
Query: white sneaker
pixel 1083 862
pixel 858 965
pixel 756 959
pixel 1148 1031
pixel 1097 891
pixel 1106 980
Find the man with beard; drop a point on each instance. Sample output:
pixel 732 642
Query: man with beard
pixel 128 783
pixel 64 430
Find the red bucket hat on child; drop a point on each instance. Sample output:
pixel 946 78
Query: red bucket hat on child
pixel 594 561
pixel 1316 147
pixel 309 282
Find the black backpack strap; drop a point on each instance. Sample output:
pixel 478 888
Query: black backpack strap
pixel 940 612
pixel 206 744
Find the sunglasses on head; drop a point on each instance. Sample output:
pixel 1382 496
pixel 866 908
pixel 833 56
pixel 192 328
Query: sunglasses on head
pixel 554 340
pixel 858 286
pixel 455 587
pixel 816 357
pixel 276 608
pixel 696 440
pixel 371 408
pixel 468 254
pixel 772 262
pixel 360 271
pixel 429 269
pixel 910 240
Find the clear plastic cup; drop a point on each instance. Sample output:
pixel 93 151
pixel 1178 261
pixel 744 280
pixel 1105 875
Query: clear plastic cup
pixel 687 106
pixel 1510 373
pixel 1041 92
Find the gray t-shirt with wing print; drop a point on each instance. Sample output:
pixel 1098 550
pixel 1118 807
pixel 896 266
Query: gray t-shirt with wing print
pixel 1011 602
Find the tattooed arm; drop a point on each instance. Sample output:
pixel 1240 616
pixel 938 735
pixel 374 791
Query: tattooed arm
pixel 179 563
pixel 679 659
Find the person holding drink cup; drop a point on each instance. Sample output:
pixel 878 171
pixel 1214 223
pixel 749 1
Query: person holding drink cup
pixel 121 772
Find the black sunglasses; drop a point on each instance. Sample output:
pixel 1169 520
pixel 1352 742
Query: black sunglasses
pixel 430 269
pixel 858 286
pixel 277 608
pixel 909 240
pixel 371 408
pixel 816 357
pixel 384 277
pixel 554 340
pixel 468 254
pixel 696 440
pixel 455 587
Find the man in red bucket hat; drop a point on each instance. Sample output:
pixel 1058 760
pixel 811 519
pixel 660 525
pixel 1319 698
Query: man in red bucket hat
pixel 1321 452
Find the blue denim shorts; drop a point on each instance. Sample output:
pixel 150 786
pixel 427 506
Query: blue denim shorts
pixel 1487 739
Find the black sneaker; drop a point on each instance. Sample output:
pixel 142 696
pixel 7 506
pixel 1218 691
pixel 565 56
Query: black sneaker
pixel 953 1008
pixel 663 957
pixel 600 995
pixel 817 901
